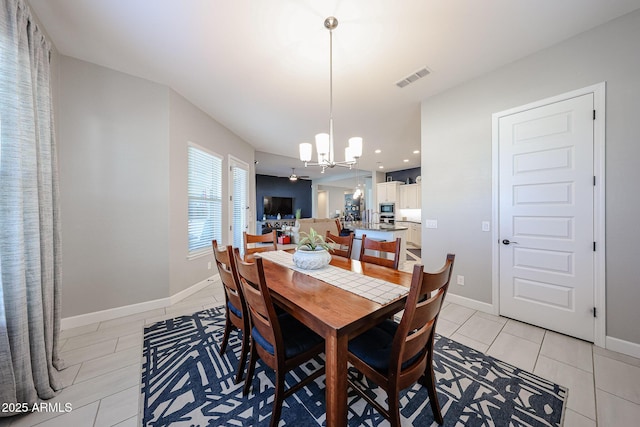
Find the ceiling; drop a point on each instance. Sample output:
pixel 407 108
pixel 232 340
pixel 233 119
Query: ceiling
pixel 261 68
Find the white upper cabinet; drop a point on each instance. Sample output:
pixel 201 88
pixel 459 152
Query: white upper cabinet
pixel 387 192
pixel 410 196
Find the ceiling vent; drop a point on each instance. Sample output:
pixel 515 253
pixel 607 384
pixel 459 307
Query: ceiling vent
pixel 413 77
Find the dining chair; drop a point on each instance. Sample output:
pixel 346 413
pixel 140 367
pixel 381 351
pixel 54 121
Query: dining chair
pixel 392 247
pixel 344 244
pixel 263 239
pixel 396 355
pixel 236 313
pixel 280 341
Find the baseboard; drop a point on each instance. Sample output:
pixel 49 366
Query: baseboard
pixel 621 346
pixel 128 310
pixel 470 303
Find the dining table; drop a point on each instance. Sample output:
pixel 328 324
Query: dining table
pixel 335 314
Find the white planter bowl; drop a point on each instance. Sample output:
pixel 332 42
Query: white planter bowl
pixel 311 260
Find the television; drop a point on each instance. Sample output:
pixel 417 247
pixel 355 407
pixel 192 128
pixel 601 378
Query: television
pixel 278 205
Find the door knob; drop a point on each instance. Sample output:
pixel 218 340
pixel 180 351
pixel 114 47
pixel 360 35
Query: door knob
pixel 508 242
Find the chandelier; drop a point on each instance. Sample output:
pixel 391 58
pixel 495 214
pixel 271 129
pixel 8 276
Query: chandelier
pixel 324 141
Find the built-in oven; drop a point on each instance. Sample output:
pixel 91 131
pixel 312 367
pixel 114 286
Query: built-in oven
pixel 387 213
pixel 387 208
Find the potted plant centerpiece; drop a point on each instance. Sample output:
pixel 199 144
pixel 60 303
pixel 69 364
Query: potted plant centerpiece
pixel 312 252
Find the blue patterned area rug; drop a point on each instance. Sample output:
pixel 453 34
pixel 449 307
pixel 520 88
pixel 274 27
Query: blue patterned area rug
pixel 186 382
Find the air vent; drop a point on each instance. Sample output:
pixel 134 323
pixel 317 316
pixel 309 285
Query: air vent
pixel 413 77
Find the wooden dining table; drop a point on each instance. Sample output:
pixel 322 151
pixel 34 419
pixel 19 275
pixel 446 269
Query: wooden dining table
pixel 336 315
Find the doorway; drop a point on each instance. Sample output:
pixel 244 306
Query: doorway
pixel 548 208
pixel 323 204
pixel 239 200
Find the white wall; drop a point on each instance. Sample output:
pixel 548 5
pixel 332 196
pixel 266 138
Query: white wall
pixel 456 159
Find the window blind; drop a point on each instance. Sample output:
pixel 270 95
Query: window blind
pixel 239 200
pixel 205 198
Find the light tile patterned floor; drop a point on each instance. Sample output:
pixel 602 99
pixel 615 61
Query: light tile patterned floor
pixel 104 360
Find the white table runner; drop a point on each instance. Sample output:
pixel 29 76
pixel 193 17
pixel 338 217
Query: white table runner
pixel 374 289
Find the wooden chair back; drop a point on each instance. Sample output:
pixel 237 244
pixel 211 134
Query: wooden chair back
pixel 261 309
pixel 343 244
pixel 226 264
pixel 411 356
pixel 416 332
pixel 238 314
pixel 254 239
pixel 392 247
pixel 268 341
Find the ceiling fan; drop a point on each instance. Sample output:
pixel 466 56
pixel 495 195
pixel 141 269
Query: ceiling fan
pixel 294 177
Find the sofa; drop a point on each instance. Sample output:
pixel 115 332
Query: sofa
pixel 319 225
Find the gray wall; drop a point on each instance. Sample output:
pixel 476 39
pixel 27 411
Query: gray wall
pixel 123 180
pixel 456 159
pixel 113 138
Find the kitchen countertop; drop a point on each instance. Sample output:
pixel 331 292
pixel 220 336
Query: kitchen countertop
pixel 408 220
pixel 376 226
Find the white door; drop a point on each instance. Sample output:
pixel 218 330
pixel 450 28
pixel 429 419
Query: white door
pixel 239 200
pixel 546 214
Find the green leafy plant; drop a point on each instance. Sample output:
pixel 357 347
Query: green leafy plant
pixel 298 213
pixel 313 240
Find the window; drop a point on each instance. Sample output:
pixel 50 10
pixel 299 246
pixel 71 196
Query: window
pixel 205 198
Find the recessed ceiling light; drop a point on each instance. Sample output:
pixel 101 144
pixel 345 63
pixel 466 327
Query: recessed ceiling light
pixel 416 151
pixel 380 167
pixel 378 151
pixel 406 160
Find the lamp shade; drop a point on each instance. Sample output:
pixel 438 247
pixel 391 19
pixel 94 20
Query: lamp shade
pixel 348 157
pixel 355 144
pixel 306 151
pixel 357 193
pixel 322 144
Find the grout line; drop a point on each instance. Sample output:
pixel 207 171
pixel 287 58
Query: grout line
pixel 95 417
pixel 535 364
pixel 496 337
pixel 75 377
pixel 618 397
pixel 595 388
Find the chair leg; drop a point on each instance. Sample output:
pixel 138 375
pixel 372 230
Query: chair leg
pixel 277 401
pixel 227 330
pixel 428 380
pixel 243 355
pixel 252 364
pixel 394 407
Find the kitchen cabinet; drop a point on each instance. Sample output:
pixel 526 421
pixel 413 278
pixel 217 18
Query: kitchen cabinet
pixel 410 196
pixel 387 192
pixel 414 232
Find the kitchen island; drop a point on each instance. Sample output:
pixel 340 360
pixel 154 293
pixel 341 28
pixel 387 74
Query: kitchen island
pixel 379 231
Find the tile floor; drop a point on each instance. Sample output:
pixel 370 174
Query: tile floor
pixel 104 359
